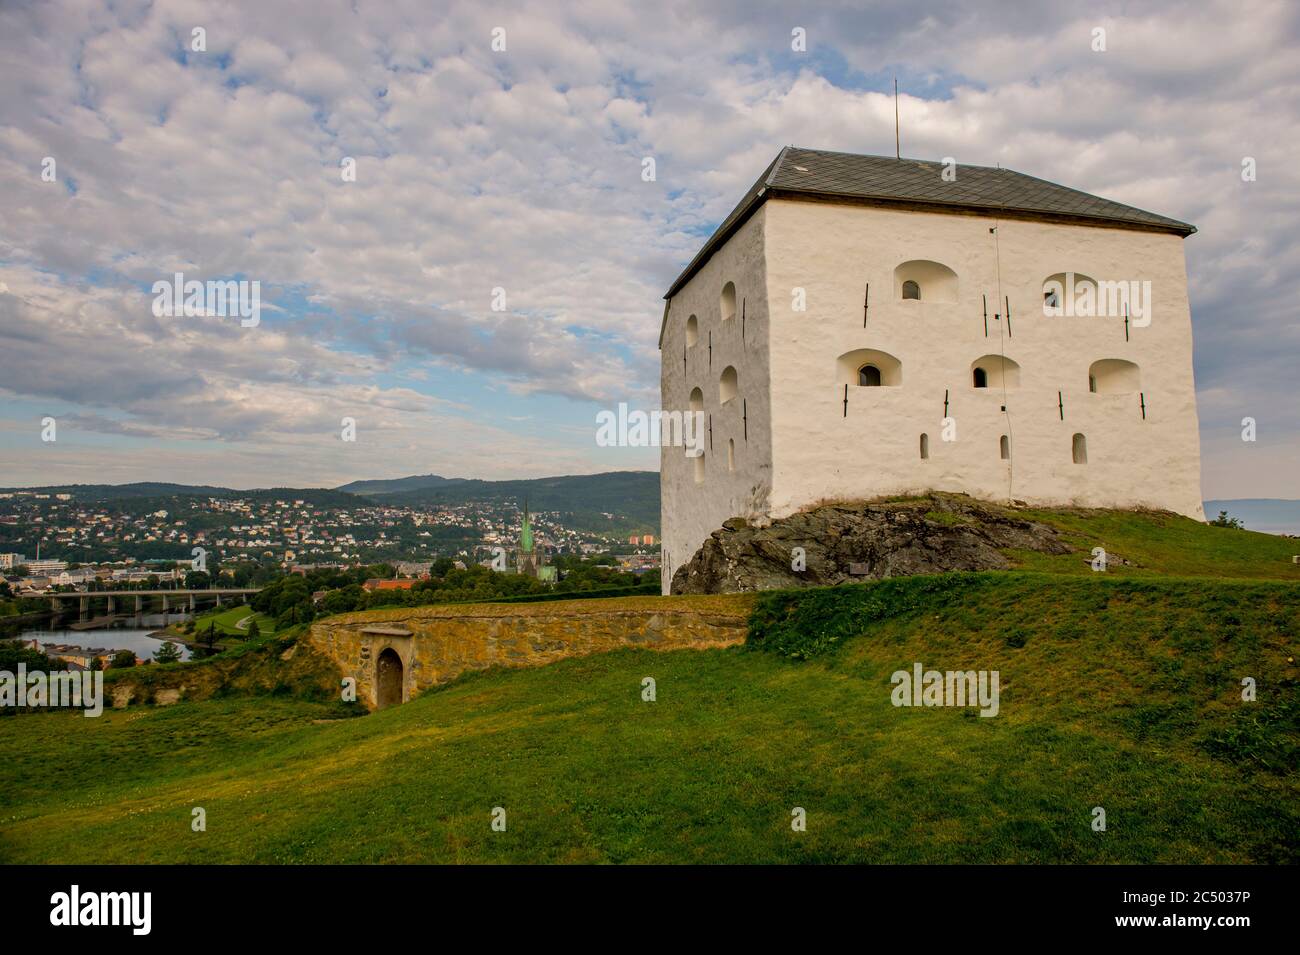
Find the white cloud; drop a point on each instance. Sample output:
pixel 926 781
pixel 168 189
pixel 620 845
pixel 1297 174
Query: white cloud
pixel 477 169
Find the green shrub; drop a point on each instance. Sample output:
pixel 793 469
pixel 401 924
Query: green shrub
pixel 802 624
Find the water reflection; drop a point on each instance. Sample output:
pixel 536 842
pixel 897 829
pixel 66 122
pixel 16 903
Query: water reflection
pixel 137 639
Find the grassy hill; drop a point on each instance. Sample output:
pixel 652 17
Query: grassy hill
pixel 1120 690
pixel 1149 544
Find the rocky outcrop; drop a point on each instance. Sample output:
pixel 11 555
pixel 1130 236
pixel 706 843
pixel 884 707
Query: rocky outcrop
pixel 857 541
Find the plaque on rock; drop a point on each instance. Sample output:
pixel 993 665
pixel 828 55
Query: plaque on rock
pixel 859 570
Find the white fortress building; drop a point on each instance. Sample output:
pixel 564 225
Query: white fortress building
pixel 861 326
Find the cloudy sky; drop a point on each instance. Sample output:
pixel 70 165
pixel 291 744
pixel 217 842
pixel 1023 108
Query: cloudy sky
pixel 521 170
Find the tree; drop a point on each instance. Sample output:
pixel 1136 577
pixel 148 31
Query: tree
pixel 207 642
pixel 343 600
pixel 1223 520
pixel 197 580
pixel 254 631
pixel 12 652
pixel 122 659
pixel 167 653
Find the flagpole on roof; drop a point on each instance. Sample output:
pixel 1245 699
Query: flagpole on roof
pixel 897 155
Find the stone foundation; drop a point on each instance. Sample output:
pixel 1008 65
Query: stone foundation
pixel 439 643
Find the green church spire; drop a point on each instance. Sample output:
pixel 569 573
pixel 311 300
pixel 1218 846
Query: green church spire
pixel 526 535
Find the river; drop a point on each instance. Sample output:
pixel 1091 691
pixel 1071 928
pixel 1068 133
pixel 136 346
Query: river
pixel 136 639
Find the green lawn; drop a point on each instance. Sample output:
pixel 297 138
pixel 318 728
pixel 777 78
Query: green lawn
pixel 1117 692
pixel 228 619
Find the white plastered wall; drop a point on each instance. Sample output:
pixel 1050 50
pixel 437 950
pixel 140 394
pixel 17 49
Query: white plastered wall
pixel 833 250
pixel 691 511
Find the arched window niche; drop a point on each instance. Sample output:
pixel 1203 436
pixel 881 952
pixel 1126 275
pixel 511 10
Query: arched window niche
pixel 692 331
pixel 925 447
pixel 1079 449
pixel 1068 294
pixel 995 371
pixel 728 384
pixel 727 304
pixel 926 281
pixel 1114 376
pixel 697 399
pixel 861 367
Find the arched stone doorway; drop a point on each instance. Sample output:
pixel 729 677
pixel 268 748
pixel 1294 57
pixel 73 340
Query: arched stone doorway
pixel 388 678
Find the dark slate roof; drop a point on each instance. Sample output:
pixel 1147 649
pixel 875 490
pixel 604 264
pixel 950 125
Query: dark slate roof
pixel 915 183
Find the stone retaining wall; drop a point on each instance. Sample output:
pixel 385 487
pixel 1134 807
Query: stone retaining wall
pixel 439 643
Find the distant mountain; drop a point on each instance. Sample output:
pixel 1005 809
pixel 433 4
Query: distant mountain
pixel 117 492
pixel 632 496
pixel 414 483
pixel 1268 515
pixel 151 490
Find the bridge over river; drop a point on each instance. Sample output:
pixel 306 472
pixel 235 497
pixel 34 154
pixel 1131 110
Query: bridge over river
pixel 178 599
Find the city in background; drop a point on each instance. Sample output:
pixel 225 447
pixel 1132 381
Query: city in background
pixel 138 567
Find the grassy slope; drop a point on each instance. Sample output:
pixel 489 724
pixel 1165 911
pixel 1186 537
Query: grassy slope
pixel 1119 690
pixel 271 665
pixel 227 619
pixel 1146 723
pixel 1163 544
